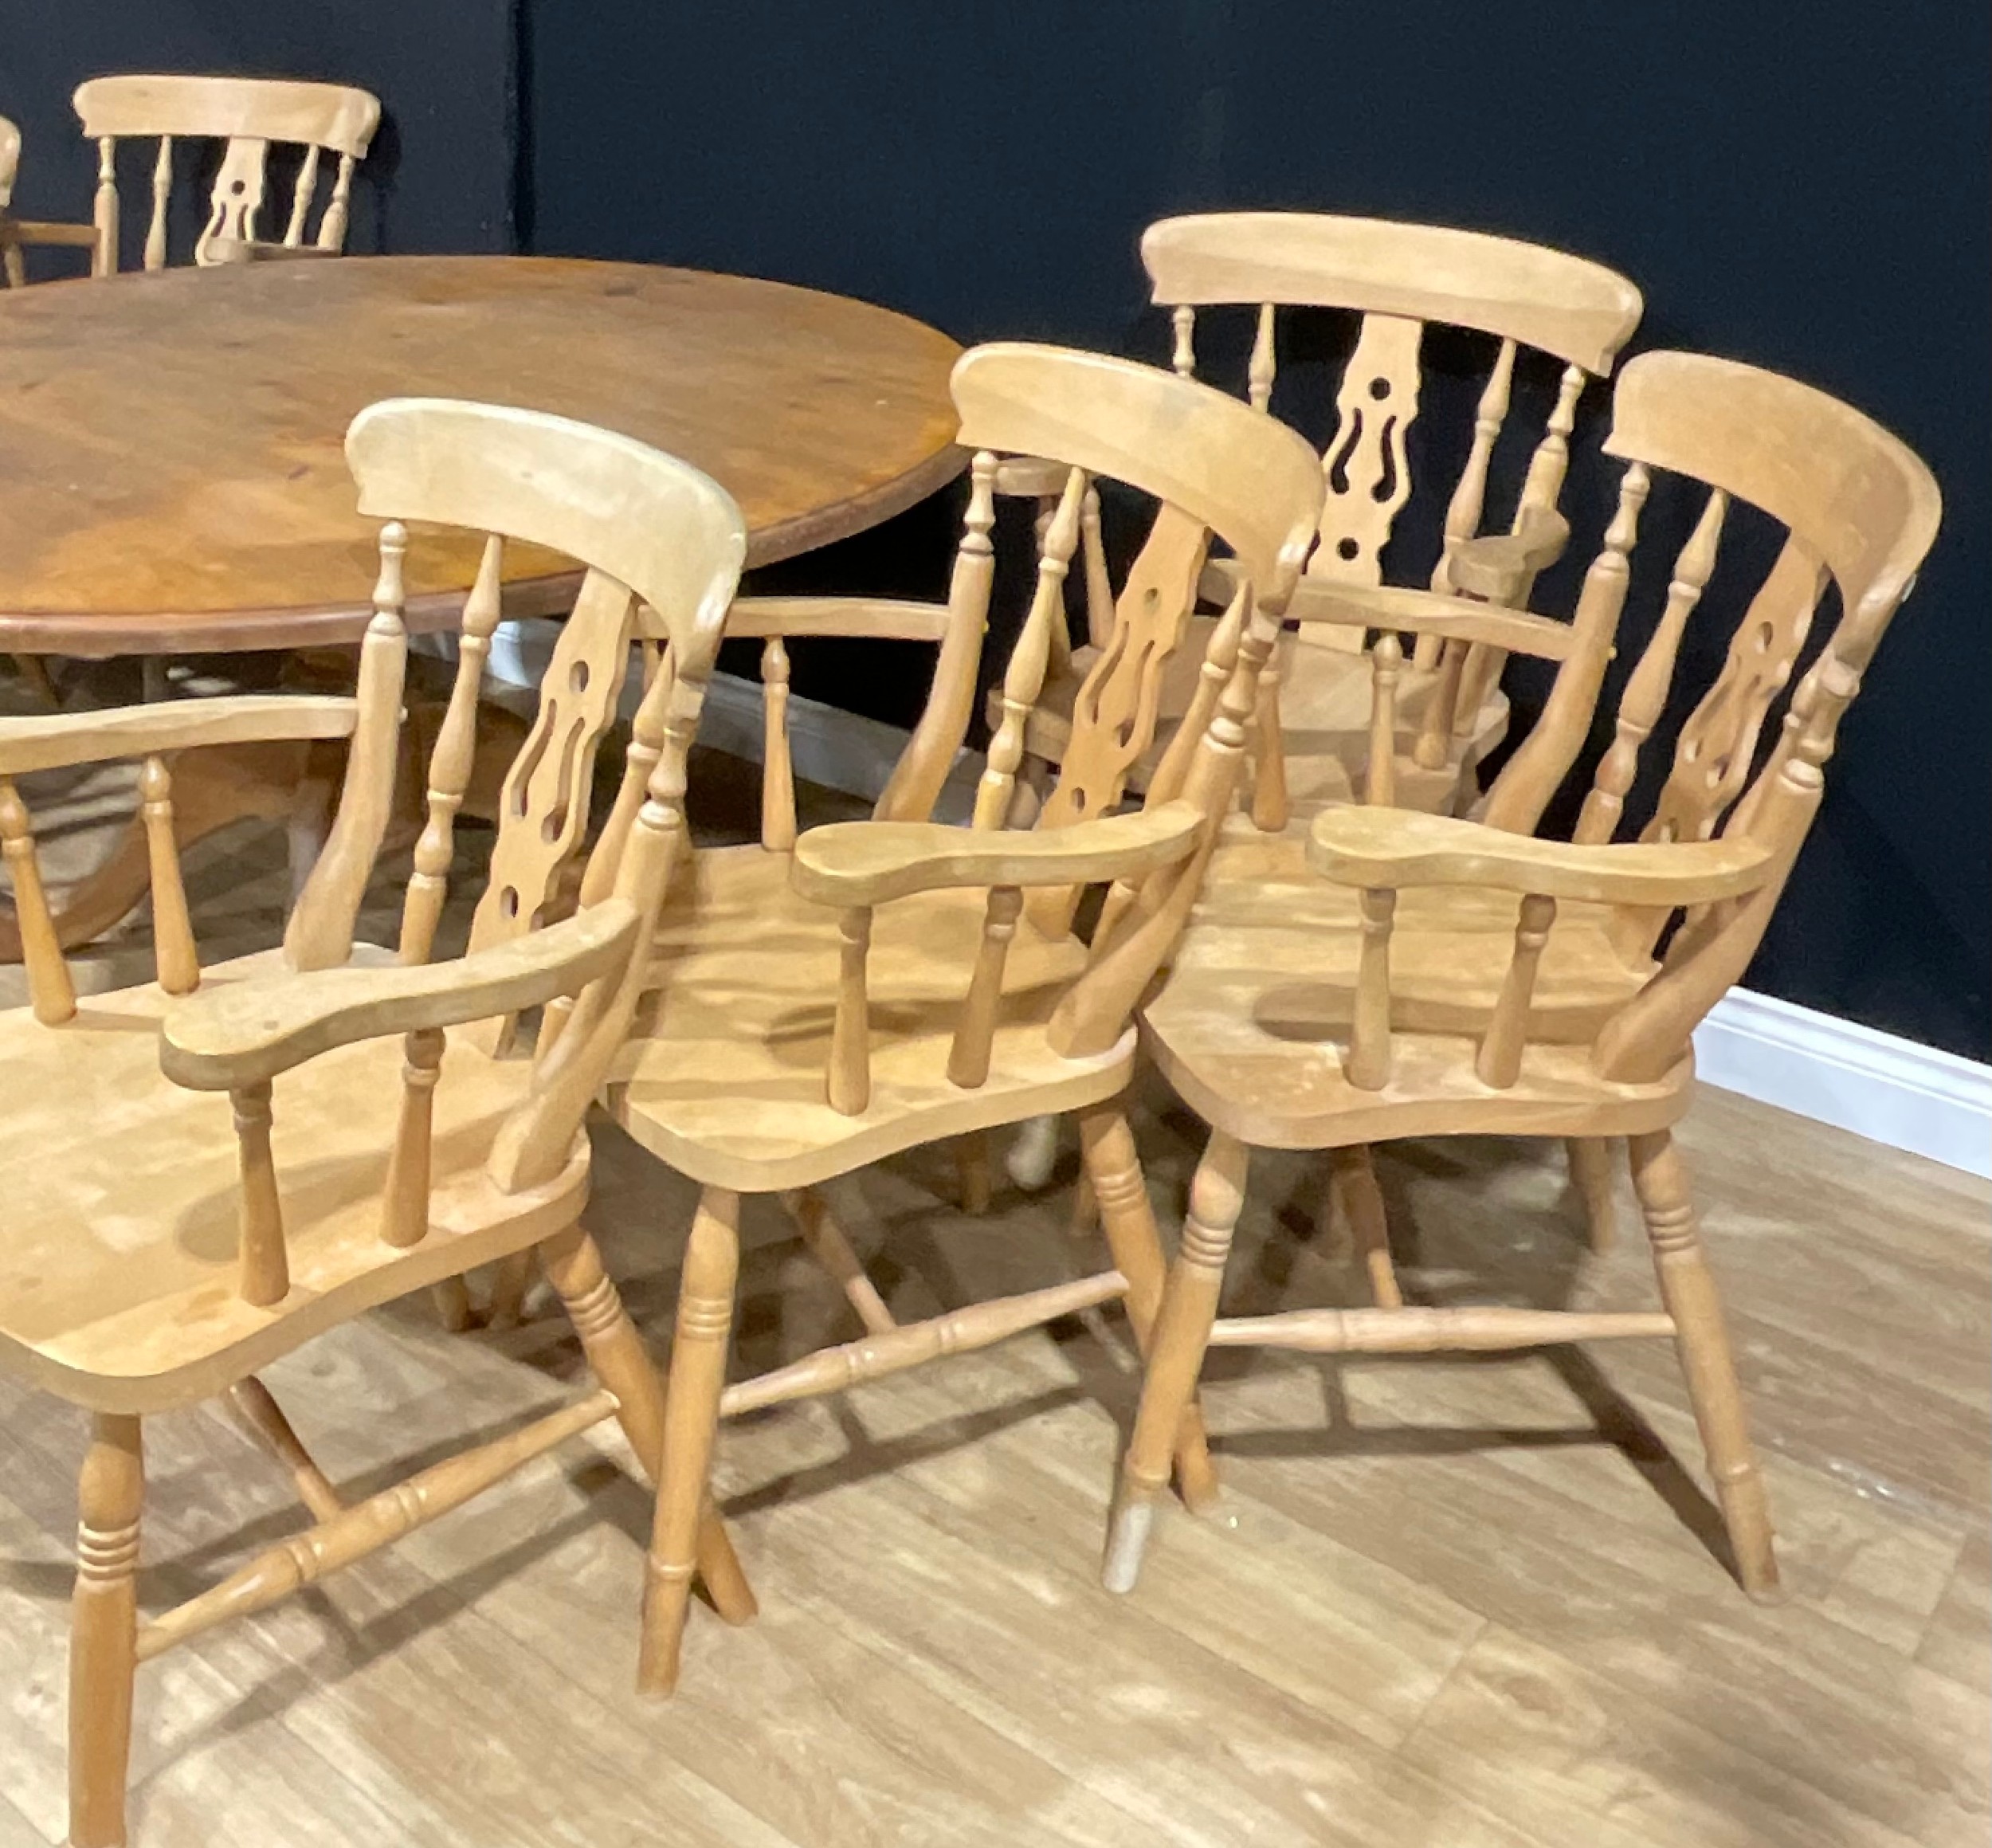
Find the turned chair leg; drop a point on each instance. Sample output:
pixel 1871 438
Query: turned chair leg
pixel 1353 1191
pixel 1701 1338
pixel 691 1423
pixel 103 1633
pixel 451 1298
pixel 511 1278
pixel 1591 1173
pixel 972 1171
pixel 1112 1175
pixel 1181 1333
pixel 615 1351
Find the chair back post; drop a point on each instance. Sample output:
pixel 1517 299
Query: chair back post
pixel 1857 504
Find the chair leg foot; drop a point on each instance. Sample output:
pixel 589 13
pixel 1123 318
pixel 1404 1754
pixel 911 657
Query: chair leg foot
pixel 1352 1183
pixel 1701 1339
pixel 510 1279
pixel 1128 1526
pixel 1033 1153
pixel 103 1633
pixel 972 1171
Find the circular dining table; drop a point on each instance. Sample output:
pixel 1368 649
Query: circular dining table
pixel 172 479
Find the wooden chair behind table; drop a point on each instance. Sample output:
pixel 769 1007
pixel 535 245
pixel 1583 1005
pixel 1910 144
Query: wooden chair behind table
pixel 1447 977
pixel 247 114
pixel 896 982
pixel 1447 708
pixel 370 1142
pixel 16 233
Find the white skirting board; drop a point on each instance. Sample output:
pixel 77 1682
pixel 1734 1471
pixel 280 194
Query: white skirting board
pixel 1890 1090
pixel 1836 1071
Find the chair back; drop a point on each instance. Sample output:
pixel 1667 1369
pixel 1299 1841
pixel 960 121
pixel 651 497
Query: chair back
pixel 1213 467
pixel 1397 278
pixel 1860 511
pixel 248 114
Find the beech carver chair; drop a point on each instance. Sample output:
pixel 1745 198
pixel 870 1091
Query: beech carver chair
pixel 896 982
pixel 1444 977
pixel 15 233
pixel 205 1171
pixel 1312 744
pixel 248 114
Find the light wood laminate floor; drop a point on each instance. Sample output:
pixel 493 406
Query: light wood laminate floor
pixel 1445 1604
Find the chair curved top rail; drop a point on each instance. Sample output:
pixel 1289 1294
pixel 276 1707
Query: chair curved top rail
pixel 1580 310
pixel 576 488
pixel 334 115
pixel 1241 474
pixel 1858 493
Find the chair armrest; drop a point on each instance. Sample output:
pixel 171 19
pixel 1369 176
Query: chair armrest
pixel 1386 850
pixel 874 618
pixel 863 863
pixel 1418 612
pixel 256 250
pixel 58 740
pixel 1501 566
pixel 247 1033
pixel 46 231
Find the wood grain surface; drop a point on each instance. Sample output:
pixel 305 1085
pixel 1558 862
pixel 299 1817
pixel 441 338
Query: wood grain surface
pixel 170 443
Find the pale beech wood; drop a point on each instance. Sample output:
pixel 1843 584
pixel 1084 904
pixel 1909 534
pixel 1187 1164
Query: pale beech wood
pixel 451 758
pixel 251 1031
pixel 103 1630
pixel 263 1273
pixel 1395 847
pixel 1422 612
pixel 1396 278
pixel 1579 311
pixel 849 1088
pixel 244 383
pixel 51 991
pixel 250 1402
pixel 974 1034
pixel 167 1260
pixel 825 1239
pixel 1368 1064
pixel 1353 1193
pixel 320 933
pixel 1277 1044
pixel 1024 676
pixel 248 114
pixel 1498 1063
pixel 1183 1329
pixel 178 962
pixel 914 1343
pixel 778 777
pixel 1590 1171
pixel 1391 1328
pixel 58 740
pixel 691 1415
pixel 873 618
pixel 367 1526
pixel 892 991
pixel 846 863
pixel 1386 664
pixel 405 1204
pixel 1702 1336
